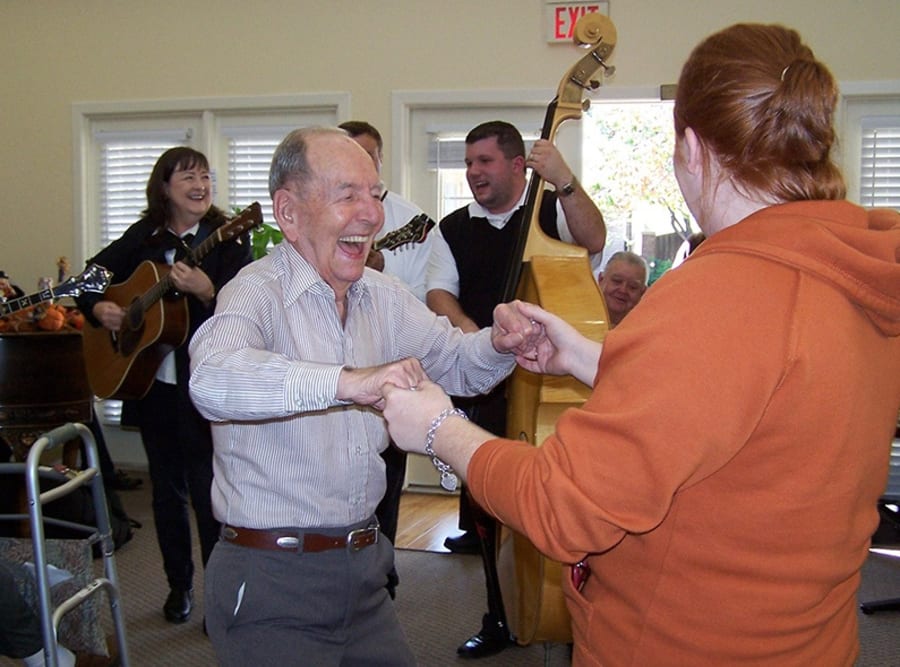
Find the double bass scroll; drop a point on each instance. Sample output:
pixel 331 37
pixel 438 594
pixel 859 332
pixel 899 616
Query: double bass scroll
pixel 558 277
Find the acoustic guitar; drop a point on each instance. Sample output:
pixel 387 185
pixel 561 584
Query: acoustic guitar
pixel 94 279
pixel 558 277
pixel 122 364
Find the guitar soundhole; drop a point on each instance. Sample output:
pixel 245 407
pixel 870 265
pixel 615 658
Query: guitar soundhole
pixel 134 317
pixel 129 340
pixel 130 335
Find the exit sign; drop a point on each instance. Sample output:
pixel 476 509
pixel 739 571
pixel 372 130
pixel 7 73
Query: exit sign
pixel 561 17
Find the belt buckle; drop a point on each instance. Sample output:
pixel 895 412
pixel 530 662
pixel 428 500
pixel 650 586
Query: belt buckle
pixel 289 542
pixel 362 537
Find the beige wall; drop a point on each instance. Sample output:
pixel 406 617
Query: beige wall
pixel 57 52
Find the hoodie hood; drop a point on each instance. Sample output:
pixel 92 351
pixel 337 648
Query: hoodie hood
pixel 856 250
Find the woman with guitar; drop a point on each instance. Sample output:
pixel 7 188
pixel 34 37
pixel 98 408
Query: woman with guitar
pixel 716 494
pixel 179 217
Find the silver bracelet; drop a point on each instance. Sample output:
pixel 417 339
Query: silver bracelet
pixel 449 480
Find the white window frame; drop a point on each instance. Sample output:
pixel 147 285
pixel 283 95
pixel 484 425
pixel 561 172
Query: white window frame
pixel 206 118
pixel 206 124
pixel 414 113
pixel 860 100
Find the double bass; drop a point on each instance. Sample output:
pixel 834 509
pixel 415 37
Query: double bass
pixel 558 277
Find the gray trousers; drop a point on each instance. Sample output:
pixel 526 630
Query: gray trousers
pixel 268 608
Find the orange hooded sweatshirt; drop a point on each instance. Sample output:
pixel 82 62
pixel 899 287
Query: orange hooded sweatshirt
pixel 722 479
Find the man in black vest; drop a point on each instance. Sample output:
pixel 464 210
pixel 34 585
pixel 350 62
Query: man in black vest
pixel 470 259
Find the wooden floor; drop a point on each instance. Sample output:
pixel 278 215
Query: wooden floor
pixel 426 520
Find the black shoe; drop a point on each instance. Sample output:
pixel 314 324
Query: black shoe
pixel 177 608
pixel 467 543
pixel 122 481
pixel 493 638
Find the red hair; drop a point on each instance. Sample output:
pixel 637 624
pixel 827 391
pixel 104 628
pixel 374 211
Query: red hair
pixel 762 104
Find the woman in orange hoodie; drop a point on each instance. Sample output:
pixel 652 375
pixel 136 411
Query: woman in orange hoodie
pixel 720 496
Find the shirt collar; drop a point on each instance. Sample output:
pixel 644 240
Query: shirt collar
pixel 303 277
pixel 193 230
pixel 496 220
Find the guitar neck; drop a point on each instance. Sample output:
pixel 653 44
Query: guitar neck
pixel 165 284
pixel 249 218
pixel 9 307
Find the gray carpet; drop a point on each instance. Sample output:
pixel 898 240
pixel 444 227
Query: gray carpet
pixel 440 602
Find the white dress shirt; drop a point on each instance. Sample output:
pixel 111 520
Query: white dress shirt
pixel 265 371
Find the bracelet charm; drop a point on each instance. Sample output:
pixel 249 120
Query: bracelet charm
pixel 449 480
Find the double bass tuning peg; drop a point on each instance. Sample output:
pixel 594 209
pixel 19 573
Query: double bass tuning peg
pixel 608 70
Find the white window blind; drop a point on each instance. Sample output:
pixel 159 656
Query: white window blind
pixel 880 162
pixel 126 160
pixel 448 150
pixel 249 158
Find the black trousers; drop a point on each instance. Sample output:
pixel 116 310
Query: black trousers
pixel 489 412
pixel 178 443
pixel 388 510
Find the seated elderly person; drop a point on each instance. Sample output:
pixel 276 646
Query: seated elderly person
pixel 623 282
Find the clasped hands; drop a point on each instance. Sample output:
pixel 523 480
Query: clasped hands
pixel 410 401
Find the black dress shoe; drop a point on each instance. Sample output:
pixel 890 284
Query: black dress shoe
pixel 493 638
pixel 177 608
pixel 467 543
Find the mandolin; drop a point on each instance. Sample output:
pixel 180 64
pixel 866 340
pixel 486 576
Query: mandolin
pixel 413 231
pixel 558 277
pixel 122 364
pixel 93 279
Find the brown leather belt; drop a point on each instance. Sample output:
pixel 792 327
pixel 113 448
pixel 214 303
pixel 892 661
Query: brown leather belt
pixel 296 540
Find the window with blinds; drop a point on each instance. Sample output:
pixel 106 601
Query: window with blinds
pixel 249 157
pixel 120 143
pixel 126 160
pixel 879 177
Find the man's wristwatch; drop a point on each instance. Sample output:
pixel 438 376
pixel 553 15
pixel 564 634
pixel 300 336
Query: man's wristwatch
pixel 568 188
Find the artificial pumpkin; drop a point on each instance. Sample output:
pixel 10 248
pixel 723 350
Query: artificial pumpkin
pixel 75 318
pixel 53 320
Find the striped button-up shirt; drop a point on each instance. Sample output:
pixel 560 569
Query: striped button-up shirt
pixel 265 371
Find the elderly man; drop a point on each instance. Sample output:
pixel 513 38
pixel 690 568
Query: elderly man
pixel 623 282
pixel 290 371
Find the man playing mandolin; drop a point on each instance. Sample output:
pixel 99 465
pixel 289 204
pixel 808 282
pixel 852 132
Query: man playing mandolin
pixel 470 260
pixel 177 440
